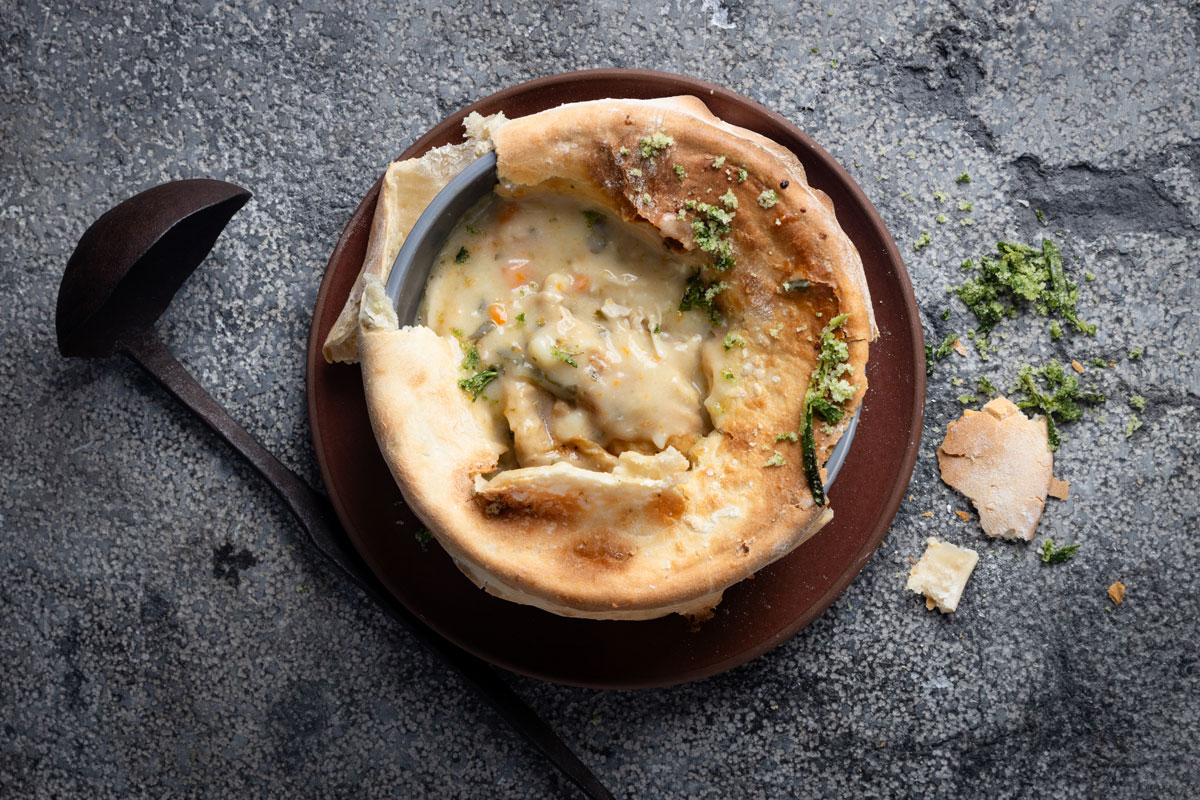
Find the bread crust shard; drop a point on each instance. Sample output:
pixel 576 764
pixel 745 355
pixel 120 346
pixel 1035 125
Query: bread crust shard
pixel 663 532
pixel 1001 460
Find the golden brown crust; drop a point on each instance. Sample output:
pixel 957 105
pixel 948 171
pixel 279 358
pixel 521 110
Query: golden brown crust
pixel 1001 460
pixel 657 534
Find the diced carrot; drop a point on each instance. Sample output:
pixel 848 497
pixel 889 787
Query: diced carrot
pixel 497 313
pixel 506 212
pixel 579 282
pixel 514 272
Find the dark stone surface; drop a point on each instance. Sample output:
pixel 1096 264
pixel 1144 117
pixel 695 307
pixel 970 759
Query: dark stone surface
pixel 166 632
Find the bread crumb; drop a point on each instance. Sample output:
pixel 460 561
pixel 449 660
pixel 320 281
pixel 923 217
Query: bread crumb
pixel 964 516
pixel 1001 460
pixel 1059 489
pixel 941 574
pixel 959 348
pixel 1116 592
pixel 927 514
pixel 1075 365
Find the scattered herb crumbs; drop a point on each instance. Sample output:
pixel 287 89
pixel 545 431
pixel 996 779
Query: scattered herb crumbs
pixel 635 172
pixel 790 436
pixel 967 222
pixel 624 151
pixel 647 200
pixel 946 314
pixel 1132 425
pixel 1056 393
pixel 1055 330
pixel 986 387
pixel 940 219
pixel 728 375
pixel 940 196
pixel 827 389
pixel 1089 276
pixel 768 198
pixel 1135 354
pixel 922 241
pixel 680 172
pixel 729 200
pixel 967 399
pixel 475 384
pixel 964 178
pixel 471 358
pixel 741 175
pixel 456 333
pixel 657 328
pixel 833 62
pixel 565 356
pixel 814 49
pixel 776 460
pixel 424 537
pixel 718 162
pixel 733 340
pixel 462 255
pixel 1041 217
pixel 521 318
pixel 699 295
pixel 654 144
pixel 1138 402
pixel 1099 363
pixel 471 229
pixel 965 205
pixel 1057 555
pixel 933 354
pixel 1018 276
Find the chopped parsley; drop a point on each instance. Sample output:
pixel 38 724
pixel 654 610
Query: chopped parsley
pixel 1089 276
pixel 1021 275
pixel 624 151
pixel 986 387
pixel 680 172
pixel 940 196
pixel 940 219
pixel 922 241
pixel 964 178
pixel 565 356
pixel 710 231
pixel 729 200
pixel 521 318
pixel 965 205
pixel 741 176
pixel 1056 393
pixel 945 314
pixel 967 399
pixel 1041 217
pixel 700 295
pixel 718 162
pixel 935 354
pixel 424 537
pixel 1132 425
pixel 728 375
pixel 1138 402
pixel 657 328
pixel 471 358
pixel 1057 555
pixel 827 390
pixel 471 229
pixel 733 340
pixel 776 460
pixel 654 144
pixel 1055 330
pixel 768 198
pixel 1135 354
pixel 475 384
pixel 462 255
pixel 1099 363
pixel 790 436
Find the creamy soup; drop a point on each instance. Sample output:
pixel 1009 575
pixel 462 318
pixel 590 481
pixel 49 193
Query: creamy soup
pixel 574 345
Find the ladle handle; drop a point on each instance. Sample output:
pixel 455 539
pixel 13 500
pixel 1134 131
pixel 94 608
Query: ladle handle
pixel 317 516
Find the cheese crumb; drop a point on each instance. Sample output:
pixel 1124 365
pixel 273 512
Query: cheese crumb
pixel 942 573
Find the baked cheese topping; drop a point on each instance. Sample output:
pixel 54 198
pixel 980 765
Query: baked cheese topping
pixel 571 333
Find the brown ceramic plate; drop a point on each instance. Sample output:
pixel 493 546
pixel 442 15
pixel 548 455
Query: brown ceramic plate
pixel 757 614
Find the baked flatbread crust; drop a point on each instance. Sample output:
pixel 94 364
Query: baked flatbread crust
pixel 660 533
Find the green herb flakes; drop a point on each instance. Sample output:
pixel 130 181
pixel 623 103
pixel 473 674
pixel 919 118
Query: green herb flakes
pixel 1055 330
pixel 986 387
pixel 710 231
pixel 1056 393
pixel 718 162
pixel 1132 425
pixel 702 296
pixel 934 354
pixel 964 205
pixel 940 219
pixel 475 384
pixel 521 318
pixel 967 399
pixel 1089 276
pixel 471 358
pixel 1135 354
pixel 768 198
pixel 1040 216
pixel 424 538
pixel 790 436
pixel 1057 555
pixel 592 217
pixel 654 144
pixel 741 176
pixel 462 255
pixel 776 460
pixel 565 356
pixel 964 178
pixel 729 200
pixel 827 390
pixel 733 340
pixel 680 172
pixel 1138 402
pixel 922 241
pixel 728 375
pixel 940 196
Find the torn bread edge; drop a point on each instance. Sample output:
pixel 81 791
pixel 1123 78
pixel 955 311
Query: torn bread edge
pixel 407 189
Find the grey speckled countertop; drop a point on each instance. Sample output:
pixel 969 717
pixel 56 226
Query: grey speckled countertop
pixel 164 630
